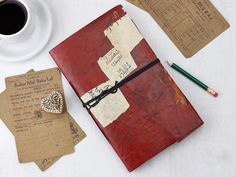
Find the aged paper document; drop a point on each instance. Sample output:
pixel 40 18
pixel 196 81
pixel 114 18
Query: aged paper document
pixel 136 3
pixel 190 24
pixel 77 133
pixel 38 134
pixel 3 106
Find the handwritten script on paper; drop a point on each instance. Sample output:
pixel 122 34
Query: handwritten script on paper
pixel 117 64
pixel 77 134
pixel 110 107
pixel 38 134
pixel 190 24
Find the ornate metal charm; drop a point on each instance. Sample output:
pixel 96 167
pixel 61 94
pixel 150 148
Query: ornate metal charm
pixel 53 103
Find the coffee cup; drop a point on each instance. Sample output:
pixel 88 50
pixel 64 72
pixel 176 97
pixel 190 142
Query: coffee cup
pixel 16 21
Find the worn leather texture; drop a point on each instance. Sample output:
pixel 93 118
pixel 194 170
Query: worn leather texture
pixel 159 114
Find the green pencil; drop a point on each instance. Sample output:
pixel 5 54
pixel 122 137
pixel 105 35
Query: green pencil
pixel 193 79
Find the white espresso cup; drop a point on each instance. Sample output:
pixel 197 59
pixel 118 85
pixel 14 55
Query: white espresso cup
pixel 25 32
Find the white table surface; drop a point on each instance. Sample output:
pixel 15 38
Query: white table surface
pixel 208 152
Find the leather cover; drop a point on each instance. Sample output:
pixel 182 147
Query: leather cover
pixel 159 114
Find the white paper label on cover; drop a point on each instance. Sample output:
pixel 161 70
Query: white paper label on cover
pixel 118 62
pixel 124 35
pixel 116 66
pixel 110 107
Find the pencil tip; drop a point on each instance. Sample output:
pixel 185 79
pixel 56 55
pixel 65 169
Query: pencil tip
pixel 169 62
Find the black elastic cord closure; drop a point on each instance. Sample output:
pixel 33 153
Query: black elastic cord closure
pixel 94 101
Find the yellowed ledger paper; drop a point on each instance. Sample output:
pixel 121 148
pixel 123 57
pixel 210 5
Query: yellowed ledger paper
pixel 38 134
pixel 190 24
pixel 136 3
pixel 77 133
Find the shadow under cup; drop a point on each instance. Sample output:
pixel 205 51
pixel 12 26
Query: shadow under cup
pixel 13 17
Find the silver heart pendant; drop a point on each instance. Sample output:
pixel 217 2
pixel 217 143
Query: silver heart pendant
pixel 53 103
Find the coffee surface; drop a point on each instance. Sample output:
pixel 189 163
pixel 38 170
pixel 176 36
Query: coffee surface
pixel 13 17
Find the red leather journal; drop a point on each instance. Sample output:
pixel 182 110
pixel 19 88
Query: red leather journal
pixel 140 116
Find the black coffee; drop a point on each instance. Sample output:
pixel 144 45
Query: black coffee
pixel 13 17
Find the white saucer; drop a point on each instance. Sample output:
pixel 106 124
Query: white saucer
pixel 42 32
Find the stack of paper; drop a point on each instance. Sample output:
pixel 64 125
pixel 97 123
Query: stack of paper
pixel 41 137
pixel 191 25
